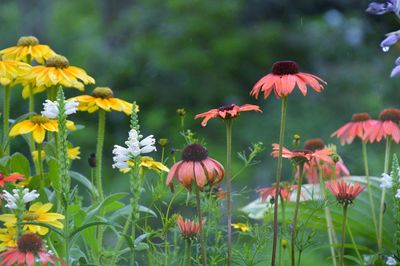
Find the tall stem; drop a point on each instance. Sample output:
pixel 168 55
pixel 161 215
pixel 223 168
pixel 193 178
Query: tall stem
pixel 202 240
pixel 120 240
pixel 228 185
pixel 188 252
pixel 354 243
pixel 341 257
pixel 6 117
pixel 371 201
pixel 382 205
pixel 40 164
pixel 296 211
pixel 278 177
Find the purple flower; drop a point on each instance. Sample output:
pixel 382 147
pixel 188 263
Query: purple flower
pixel 396 69
pixel 391 39
pixel 376 8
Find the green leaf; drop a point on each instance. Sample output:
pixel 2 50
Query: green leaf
pixel 85 226
pixel 127 210
pixel 20 164
pixel 53 174
pixel 84 181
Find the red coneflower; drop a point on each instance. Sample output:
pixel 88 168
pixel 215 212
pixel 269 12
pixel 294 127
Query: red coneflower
pixel 357 127
pixel 189 229
pixel 386 126
pixel 29 250
pixel 10 178
pixel 226 112
pixel 284 77
pixel 196 166
pixel 344 193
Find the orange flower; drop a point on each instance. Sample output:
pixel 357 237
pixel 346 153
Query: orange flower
pixel 189 229
pixel 11 178
pixel 386 126
pixel 344 193
pixel 196 166
pixel 357 127
pixel 284 77
pixel 226 112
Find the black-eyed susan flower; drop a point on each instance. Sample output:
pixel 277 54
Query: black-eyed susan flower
pixel 27 49
pixel 103 98
pixel 73 154
pixel 56 72
pixel 37 125
pixel 241 226
pixel 38 212
pixel 7 238
pixel 12 70
pixel 147 162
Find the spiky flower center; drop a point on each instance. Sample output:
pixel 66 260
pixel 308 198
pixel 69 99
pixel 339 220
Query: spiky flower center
pixel 360 117
pixel 31 216
pixel 103 92
pixel 390 115
pixel 30 243
pixel 57 61
pixel 28 41
pixel 194 153
pixel 314 144
pixel 38 119
pixel 285 68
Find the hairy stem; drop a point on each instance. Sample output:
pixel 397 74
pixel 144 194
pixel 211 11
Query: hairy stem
pixel 188 252
pixel 354 243
pixel 341 255
pixel 278 178
pixel 6 117
pixel 202 240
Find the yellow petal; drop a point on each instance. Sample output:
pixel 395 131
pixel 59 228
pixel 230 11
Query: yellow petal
pixel 38 134
pixel 23 127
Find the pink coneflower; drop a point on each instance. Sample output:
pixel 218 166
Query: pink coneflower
pixel 29 250
pixel 306 154
pixel 10 178
pixel 330 170
pixel 284 77
pixel 357 127
pixel 285 192
pixel 386 126
pixel 226 112
pixel 189 229
pixel 196 166
pixel 344 193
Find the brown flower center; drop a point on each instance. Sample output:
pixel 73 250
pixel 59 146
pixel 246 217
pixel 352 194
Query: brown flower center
pixel 30 243
pixel 57 61
pixel 226 108
pixel 360 117
pixel 31 216
pixel 194 153
pixel 103 92
pixel 38 119
pixel 285 68
pixel 314 144
pixel 390 115
pixel 28 41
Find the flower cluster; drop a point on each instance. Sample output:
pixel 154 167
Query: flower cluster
pixel 19 197
pixel 135 146
pixel 50 108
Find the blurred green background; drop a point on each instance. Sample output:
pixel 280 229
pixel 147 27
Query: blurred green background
pixel 201 55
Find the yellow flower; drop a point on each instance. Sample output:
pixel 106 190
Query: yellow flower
pixel 27 49
pixel 57 71
pixel 242 227
pixel 10 70
pixel 103 97
pixel 149 163
pixel 7 238
pixel 38 125
pixel 38 212
pixel 73 154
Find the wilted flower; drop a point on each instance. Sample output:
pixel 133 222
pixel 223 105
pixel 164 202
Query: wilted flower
pixel 226 112
pixel 386 181
pixel 50 109
pixel 284 78
pixel 196 166
pixel 29 250
pixel 344 193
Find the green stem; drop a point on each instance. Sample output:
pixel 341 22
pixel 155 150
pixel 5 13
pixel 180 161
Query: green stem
pixel 40 164
pixel 354 244
pixel 228 185
pixel 6 117
pixel 31 110
pixel 299 257
pixel 202 240
pixel 371 201
pixel 99 155
pixel 278 177
pixel 296 212
pixel 341 257
pixel 120 240
pixel 382 205
pixel 188 252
